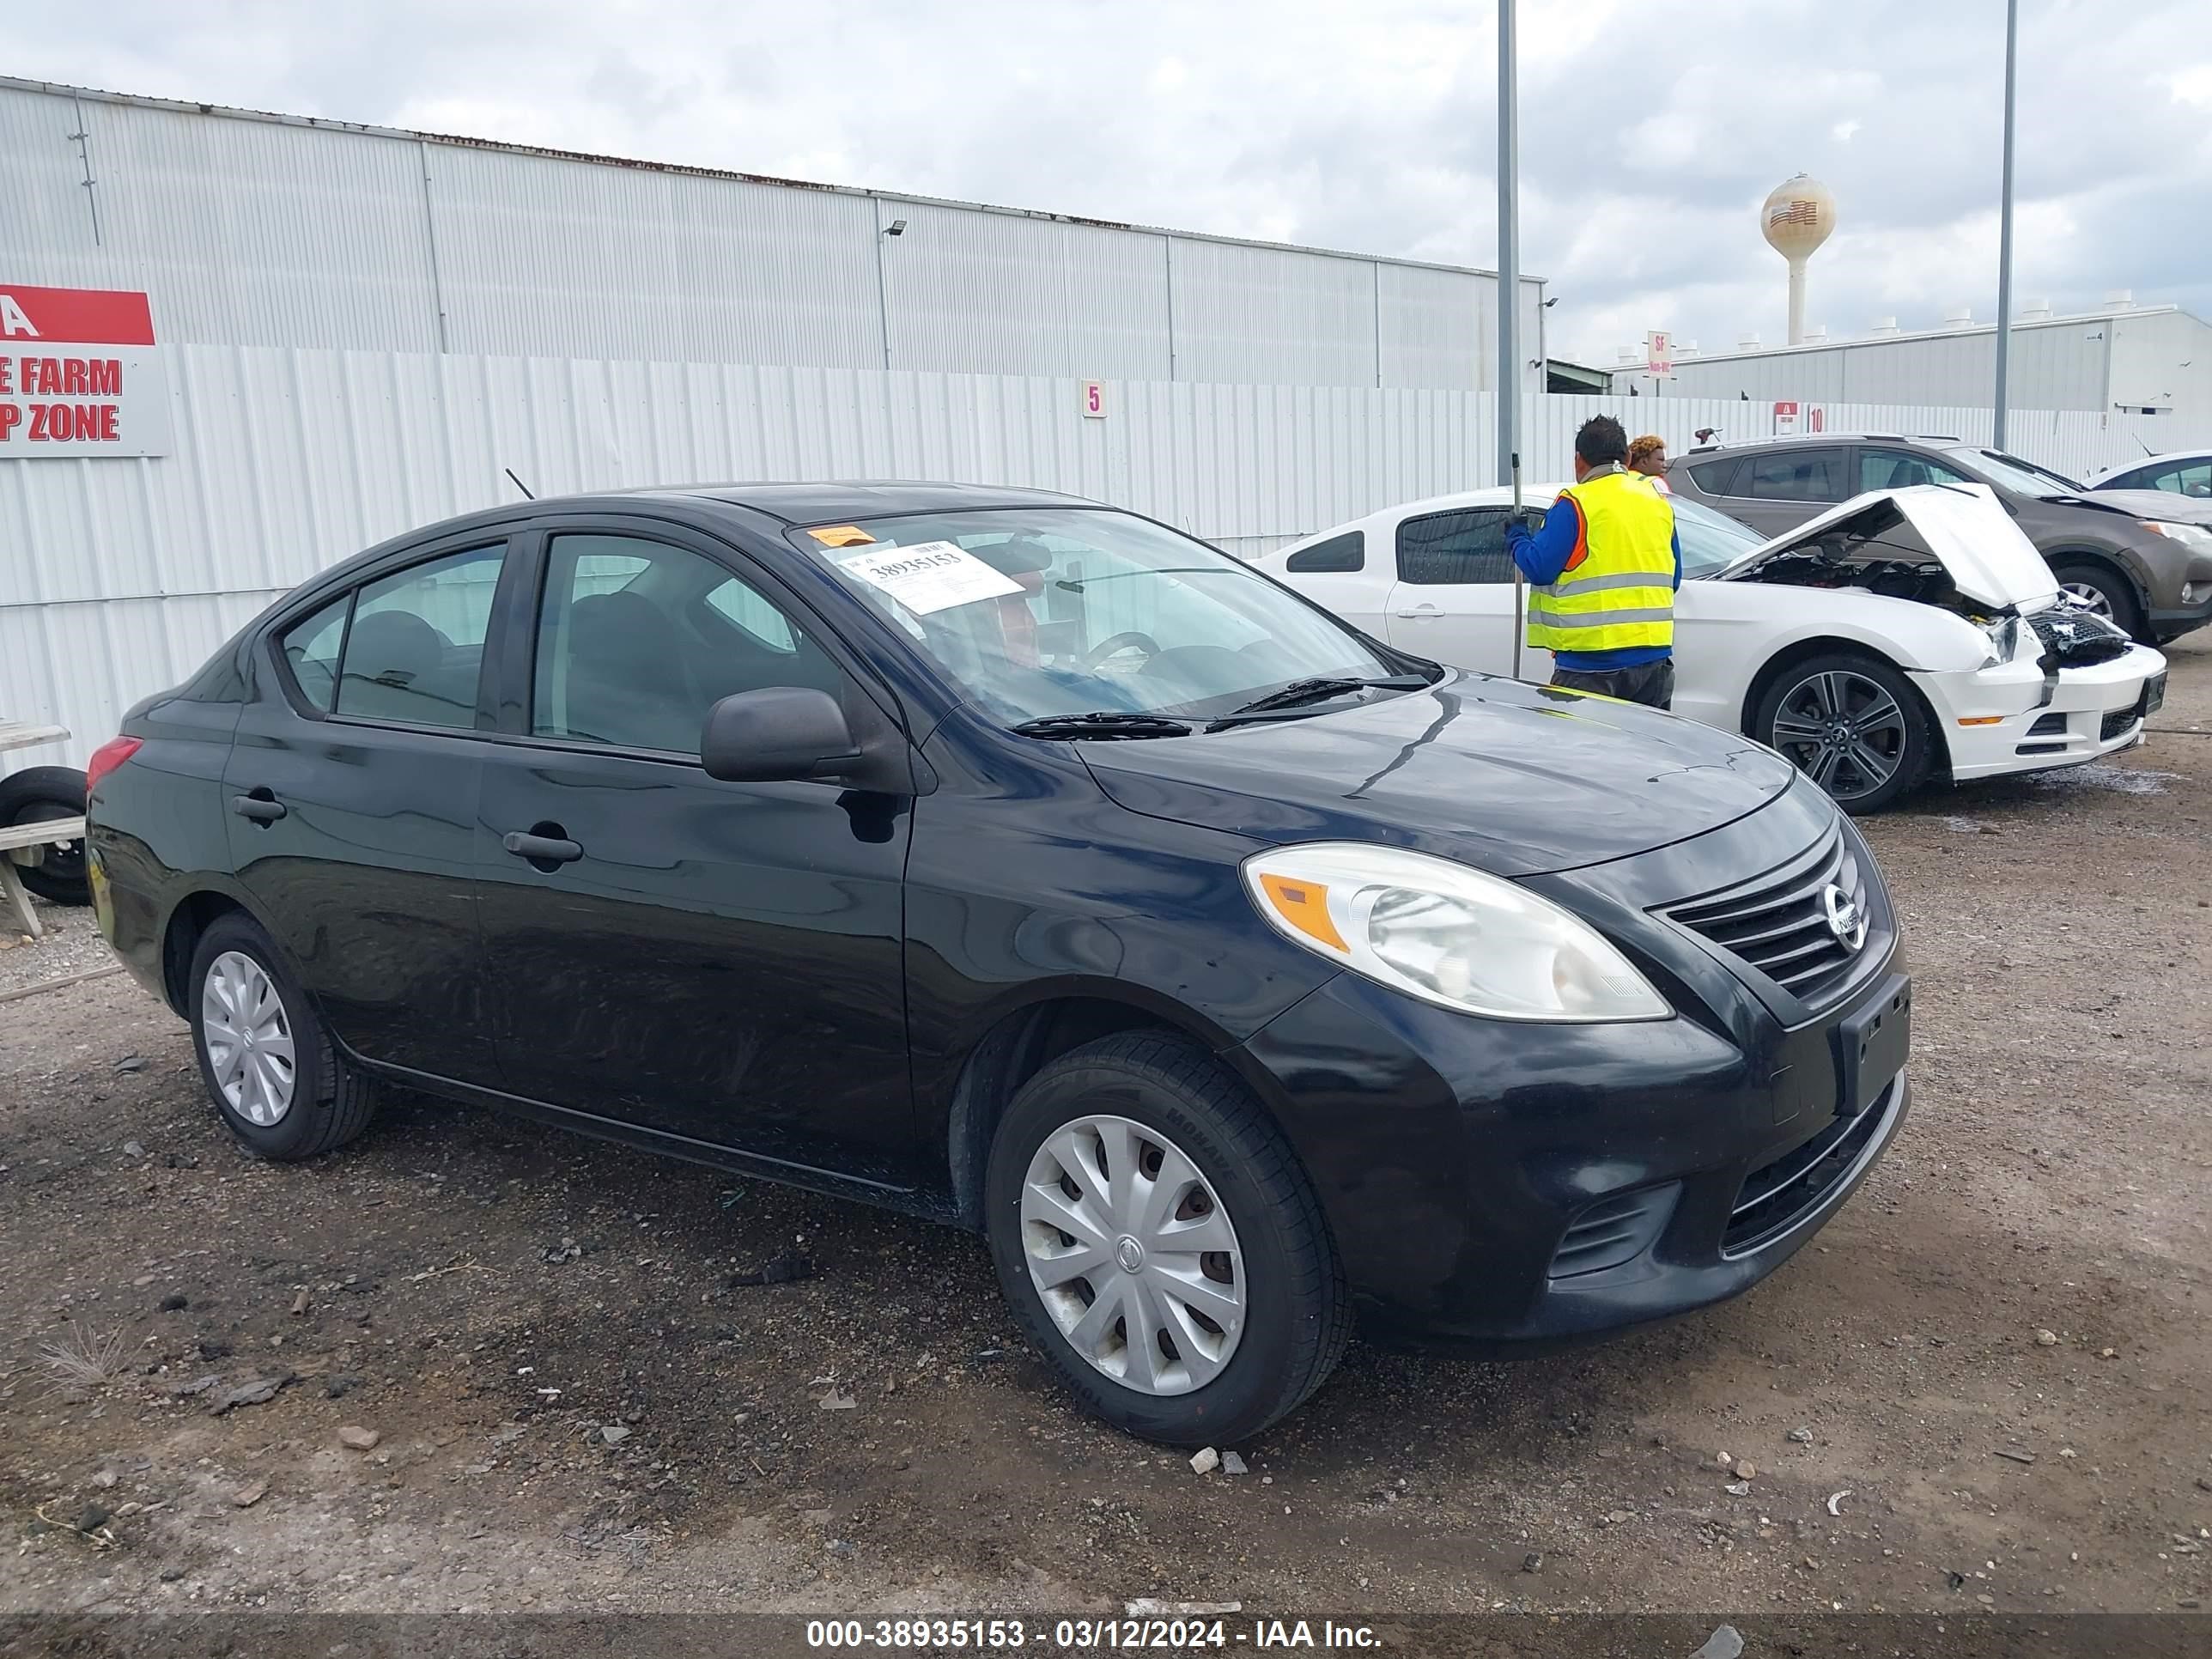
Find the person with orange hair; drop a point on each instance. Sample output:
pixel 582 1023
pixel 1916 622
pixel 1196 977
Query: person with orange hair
pixel 1647 455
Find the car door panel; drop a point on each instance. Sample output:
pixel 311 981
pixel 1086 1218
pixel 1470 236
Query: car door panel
pixel 1453 597
pixel 354 838
pixel 721 961
pixel 1349 575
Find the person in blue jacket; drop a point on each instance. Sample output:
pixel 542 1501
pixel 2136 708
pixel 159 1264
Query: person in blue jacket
pixel 1603 569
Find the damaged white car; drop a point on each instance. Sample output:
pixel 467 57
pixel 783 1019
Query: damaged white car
pixel 1902 635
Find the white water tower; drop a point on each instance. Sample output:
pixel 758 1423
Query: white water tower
pixel 1797 217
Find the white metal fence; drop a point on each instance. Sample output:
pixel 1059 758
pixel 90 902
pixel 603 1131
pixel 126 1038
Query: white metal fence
pixel 117 577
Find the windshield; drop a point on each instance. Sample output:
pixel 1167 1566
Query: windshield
pixel 2014 473
pixel 1710 541
pixel 1036 612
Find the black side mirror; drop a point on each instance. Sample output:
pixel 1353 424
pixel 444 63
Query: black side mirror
pixel 779 734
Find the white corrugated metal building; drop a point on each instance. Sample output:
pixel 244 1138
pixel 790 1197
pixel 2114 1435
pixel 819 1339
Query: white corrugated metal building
pixel 264 230
pixel 2147 361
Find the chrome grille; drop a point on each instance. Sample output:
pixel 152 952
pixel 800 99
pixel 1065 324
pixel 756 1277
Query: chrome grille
pixel 1779 924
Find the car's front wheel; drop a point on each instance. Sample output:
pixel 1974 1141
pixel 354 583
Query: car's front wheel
pixel 1853 724
pixel 277 1078
pixel 1161 1244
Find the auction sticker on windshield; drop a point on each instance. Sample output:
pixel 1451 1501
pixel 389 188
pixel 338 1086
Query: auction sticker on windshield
pixel 930 576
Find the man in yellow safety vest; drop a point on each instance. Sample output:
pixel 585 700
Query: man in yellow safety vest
pixel 1603 569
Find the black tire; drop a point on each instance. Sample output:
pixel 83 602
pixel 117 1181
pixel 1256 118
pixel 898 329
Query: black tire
pixel 33 795
pixel 332 1102
pixel 1298 1315
pixel 2115 595
pixel 1797 690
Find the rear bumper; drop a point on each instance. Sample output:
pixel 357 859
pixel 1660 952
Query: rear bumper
pixel 2088 714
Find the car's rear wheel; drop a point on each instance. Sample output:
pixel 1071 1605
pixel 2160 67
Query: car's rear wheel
pixel 1853 724
pixel 39 794
pixel 277 1078
pixel 1161 1244
pixel 2100 588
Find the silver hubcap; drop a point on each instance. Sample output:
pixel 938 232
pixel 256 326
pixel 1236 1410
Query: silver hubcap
pixel 249 1038
pixel 1844 730
pixel 1133 1255
pixel 2089 599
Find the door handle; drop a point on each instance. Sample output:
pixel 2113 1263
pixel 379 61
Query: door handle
pixel 542 850
pixel 261 806
pixel 1420 611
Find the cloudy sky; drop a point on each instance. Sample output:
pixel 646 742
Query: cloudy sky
pixel 1649 133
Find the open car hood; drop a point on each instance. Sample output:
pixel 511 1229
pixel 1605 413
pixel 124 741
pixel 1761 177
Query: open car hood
pixel 1981 549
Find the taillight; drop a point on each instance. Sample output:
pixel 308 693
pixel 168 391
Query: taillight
pixel 105 758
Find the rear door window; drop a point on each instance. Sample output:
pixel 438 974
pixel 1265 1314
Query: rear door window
pixel 1443 549
pixel 414 651
pixel 1797 475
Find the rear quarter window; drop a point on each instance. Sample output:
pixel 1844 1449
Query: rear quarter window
pixel 1339 553
pixel 1716 477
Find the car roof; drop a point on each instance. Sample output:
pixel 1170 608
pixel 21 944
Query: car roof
pixel 1779 439
pixel 816 503
pixel 2159 460
pixel 789 503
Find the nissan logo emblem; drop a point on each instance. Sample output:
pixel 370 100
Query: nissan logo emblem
pixel 1846 917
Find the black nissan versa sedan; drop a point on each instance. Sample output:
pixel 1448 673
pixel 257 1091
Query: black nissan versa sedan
pixel 1024 864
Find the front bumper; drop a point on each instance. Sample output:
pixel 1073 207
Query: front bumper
pixel 2182 601
pixel 1495 1187
pixel 1994 721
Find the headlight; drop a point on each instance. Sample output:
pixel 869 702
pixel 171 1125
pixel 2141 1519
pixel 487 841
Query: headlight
pixel 1446 933
pixel 2004 634
pixel 2194 537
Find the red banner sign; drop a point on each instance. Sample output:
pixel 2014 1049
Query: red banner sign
pixel 84 316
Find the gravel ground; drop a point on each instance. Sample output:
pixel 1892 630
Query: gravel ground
pixel 1982 1389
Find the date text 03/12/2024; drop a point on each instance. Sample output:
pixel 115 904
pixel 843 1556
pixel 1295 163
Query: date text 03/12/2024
pixel 1085 1635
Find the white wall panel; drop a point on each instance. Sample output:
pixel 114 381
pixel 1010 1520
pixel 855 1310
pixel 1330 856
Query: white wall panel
pixel 1246 314
pixel 256 232
pixel 544 255
pixel 1002 294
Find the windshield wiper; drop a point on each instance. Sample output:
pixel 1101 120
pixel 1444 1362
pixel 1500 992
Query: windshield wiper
pixel 1105 724
pixel 1299 693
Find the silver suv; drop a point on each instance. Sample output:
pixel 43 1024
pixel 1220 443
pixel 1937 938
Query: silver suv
pixel 2142 558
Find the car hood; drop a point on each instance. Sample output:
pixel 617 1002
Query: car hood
pixel 1513 779
pixel 2150 504
pixel 1981 549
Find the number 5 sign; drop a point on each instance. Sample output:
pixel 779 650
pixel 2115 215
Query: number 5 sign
pixel 1094 399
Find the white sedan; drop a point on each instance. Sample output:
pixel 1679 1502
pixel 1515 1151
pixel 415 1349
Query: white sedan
pixel 1902 635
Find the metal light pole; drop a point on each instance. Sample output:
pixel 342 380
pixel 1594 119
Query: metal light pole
pixel 2004 224
pixel 1508 289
